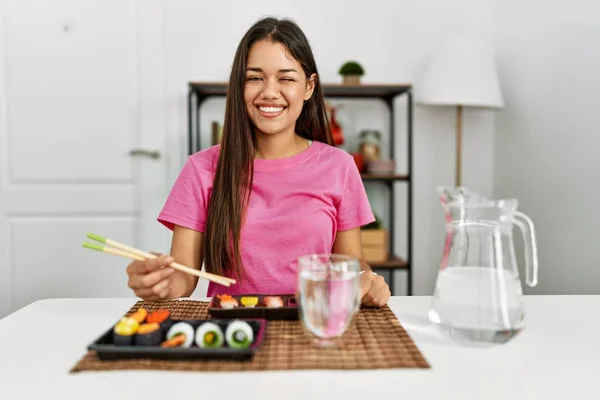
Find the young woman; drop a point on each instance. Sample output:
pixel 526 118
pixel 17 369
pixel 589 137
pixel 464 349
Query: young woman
pixel 273 190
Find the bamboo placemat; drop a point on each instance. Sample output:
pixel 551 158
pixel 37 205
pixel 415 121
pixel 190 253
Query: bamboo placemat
pixel 375 341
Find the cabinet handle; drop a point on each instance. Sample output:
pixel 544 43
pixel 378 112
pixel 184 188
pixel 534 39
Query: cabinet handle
pixel 155 155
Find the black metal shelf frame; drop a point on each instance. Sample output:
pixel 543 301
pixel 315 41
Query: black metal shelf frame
pixel 199 92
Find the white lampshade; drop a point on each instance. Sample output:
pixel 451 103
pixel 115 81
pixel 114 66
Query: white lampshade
pixel 461 72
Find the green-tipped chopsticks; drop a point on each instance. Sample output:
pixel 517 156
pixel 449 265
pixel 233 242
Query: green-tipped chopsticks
pixel 119 249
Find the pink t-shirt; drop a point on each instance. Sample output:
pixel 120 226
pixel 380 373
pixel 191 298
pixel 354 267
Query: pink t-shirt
pixel 297 204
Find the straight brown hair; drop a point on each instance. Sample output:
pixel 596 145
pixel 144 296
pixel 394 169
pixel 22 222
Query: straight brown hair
pixel 235 168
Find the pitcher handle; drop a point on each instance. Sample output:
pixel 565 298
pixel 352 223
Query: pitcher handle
pixel 531 254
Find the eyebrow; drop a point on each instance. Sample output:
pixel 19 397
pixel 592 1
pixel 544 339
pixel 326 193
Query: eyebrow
pixel 255 69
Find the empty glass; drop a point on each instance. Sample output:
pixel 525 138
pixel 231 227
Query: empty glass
pixel 328 295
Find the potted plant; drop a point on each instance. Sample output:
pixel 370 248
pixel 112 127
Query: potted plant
pixel 351 71
pixel 374 238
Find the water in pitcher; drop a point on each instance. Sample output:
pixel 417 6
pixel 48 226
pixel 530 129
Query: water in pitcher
pixel 478 304
pixel 328 302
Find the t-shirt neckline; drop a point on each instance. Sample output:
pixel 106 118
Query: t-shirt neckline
pixel 278 163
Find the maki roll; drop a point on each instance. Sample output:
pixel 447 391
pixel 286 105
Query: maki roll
pixel 239 334
pixel 273 301
pixel 161 317
pixel 180 334
pixel 209 335
pixel 148 335
pixel 226 301
pixel 124 331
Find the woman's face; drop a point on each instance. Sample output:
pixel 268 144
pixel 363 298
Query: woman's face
pixel 275 88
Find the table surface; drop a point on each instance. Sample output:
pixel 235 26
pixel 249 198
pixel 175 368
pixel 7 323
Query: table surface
pixel 556 355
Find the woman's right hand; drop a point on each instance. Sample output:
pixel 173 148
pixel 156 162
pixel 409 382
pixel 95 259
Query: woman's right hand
pixel 151 279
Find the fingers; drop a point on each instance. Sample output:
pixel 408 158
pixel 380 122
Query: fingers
pixel 160 291
pixel 143 267
pixel 161 286
pixel 378 291
pixel 365 284
pixel 148 294
pixel 151 279
pixel 148 280
pixel 383 295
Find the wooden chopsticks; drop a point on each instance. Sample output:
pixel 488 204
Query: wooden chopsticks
pixel 120 249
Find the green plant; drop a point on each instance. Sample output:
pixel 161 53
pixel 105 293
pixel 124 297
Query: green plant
pixel 351 68
pixel 377 224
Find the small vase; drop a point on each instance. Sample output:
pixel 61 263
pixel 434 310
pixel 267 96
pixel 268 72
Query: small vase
pixel 351 79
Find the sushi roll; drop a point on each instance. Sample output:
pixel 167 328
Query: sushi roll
pixel 273 301
pixel 180 334
pixel 124 331
pixel 139 315
pixel 226 301
pixel 249 302
pixel 209 335
pixel 161 317
pixel 239 335
pixel 148 335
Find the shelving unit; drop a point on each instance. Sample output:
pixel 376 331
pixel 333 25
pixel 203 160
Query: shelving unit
pixel 201 91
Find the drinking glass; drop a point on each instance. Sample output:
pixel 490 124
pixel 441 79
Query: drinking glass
pixel 328 295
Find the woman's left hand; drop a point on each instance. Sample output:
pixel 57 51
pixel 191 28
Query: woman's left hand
pixel 373 290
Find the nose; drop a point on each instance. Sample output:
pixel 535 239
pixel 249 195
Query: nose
pixel 270 89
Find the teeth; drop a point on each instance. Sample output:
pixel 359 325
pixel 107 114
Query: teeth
pixel 271 109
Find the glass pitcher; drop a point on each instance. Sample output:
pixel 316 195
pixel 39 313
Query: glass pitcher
pixel 478 295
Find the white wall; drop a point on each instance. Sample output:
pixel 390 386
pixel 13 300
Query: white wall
pixel 391 39
pixel 547 147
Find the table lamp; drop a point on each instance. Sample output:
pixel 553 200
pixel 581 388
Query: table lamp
pixel 460 73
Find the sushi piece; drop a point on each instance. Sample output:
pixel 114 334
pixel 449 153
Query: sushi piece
pixel 209 335
pixel 148 335
pixel 161 317
pixel 249 301
pixel 180 334
pixel 273 301
pixel 226 301
pixel 139 315
pixel 176 341
pixel 239 334
pixel 124 331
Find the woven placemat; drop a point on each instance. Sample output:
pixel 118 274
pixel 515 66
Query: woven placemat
pixel 375 341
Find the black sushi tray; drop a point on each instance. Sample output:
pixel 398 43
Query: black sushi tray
pixel 106 348
pixel 287 311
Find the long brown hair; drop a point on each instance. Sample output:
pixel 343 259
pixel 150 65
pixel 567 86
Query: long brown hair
pixel 235 169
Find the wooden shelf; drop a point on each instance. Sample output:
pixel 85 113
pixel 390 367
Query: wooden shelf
pixel 393 262
pixel 384 177
pixel 205 89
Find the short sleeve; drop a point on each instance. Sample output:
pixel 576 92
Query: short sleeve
pixel 353 209
pixel 187 203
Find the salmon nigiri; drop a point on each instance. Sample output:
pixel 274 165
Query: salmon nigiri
pixel 226 301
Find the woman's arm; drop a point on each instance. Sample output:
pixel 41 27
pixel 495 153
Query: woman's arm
pixel 186 249
pixel 348 243
pixel 374 290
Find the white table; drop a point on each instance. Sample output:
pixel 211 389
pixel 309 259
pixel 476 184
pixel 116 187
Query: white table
pixel 557 355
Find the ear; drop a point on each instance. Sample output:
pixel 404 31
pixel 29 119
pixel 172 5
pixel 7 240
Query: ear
pixel 310 86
